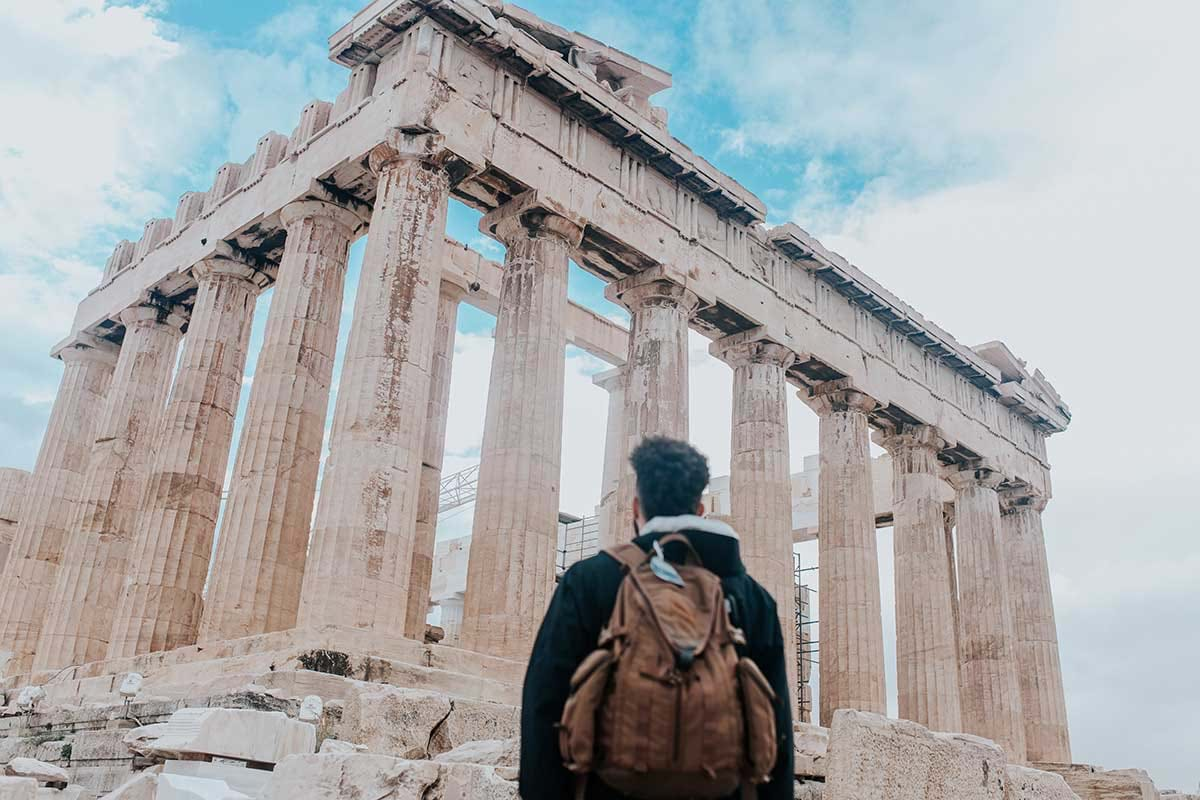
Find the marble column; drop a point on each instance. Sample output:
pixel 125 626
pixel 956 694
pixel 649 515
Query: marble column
pixel 926 652
pixel 51 500
pixel 948 519
pixel 760 483
pixel 361 547
pixel 160 603
pixel 991 692
pixel 510 571
pixel 13 485
pixel 656 372
pixel 84 599
pixel 613 527
pixel 263 544
pixel 1039 670
pixel 452 615
pixel 433 448
pixel 851 615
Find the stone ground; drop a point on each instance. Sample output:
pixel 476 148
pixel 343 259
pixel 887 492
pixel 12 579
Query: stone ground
pixel 316 718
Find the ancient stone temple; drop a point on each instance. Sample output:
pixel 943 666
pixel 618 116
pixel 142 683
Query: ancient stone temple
pixel 320 580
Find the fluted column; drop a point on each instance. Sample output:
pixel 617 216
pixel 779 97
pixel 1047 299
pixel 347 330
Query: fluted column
pixel 259 565
pixel 160 602
pixel 362 541
pixel 13 485
pixel 1043 702
pixel 613 526
pixel 84 599
pixel 510 571
pixel 433 449
pixel 51 501
pixel 851 613
pixel 926 654
pixel 948 519
pixel 991 693
pixel 760 484
pixel 656 377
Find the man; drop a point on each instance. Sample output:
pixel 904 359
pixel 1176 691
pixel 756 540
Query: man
pixel 671 477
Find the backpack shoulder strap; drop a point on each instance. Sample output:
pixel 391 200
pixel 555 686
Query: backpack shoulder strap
pixel 628 555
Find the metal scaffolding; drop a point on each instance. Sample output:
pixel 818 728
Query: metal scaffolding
pixel 458 489
pixel 806 646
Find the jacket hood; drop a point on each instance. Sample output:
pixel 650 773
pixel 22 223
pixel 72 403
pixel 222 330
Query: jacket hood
pixel 716 542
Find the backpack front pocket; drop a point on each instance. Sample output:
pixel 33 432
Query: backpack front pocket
pixel 577 730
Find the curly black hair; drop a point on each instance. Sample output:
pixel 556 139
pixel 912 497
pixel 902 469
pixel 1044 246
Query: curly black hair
pixel 671 476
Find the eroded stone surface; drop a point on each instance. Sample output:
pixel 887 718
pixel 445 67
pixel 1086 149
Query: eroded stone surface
pixel 1095 783
pixel 18 788
pixel 332 777
pixel 142 786
pixel 810 744
pixel 38 770
pixel 261 736
pixel 394 722
pixel 491 752
pixel 883 759
pixel 1032 784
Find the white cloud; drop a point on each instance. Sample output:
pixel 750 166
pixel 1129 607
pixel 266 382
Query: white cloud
pixel 128 113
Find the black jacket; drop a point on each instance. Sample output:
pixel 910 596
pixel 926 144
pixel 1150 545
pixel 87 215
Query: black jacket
pixel 582 605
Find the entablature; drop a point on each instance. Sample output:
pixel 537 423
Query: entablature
pixel 382 27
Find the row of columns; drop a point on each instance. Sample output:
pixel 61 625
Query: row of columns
pixel 127 489
pixel 129 506
pixel 995 673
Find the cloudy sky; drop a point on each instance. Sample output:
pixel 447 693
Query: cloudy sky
pixel 1015 170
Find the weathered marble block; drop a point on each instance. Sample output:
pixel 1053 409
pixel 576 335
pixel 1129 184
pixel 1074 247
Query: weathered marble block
pixel 326 777
pixel 18 788
pixel 37 770
pixel 1033 784
pixel 874 757
pixel 810 744
pixel 262 736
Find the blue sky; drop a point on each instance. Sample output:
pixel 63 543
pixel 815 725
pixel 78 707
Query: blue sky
pixel 1014 170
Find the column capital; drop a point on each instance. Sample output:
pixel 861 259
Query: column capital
pixel 152 313
pixel 397 146
pixel 837 396
pixel 979 474
pixel 353 220
pixel 1022 498
pixel 86 347
pixel 752 347
pixel 904 437
pixel 610 380
pixel 659 285
pixel 228 260
pixel 528 215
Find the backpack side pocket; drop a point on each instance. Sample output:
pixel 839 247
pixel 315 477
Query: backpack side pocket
pixel 758 705
pixel 577 730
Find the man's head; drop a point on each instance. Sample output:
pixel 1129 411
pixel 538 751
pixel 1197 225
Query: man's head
pixel 671 476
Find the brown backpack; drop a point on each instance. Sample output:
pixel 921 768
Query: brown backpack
pixel 664 707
